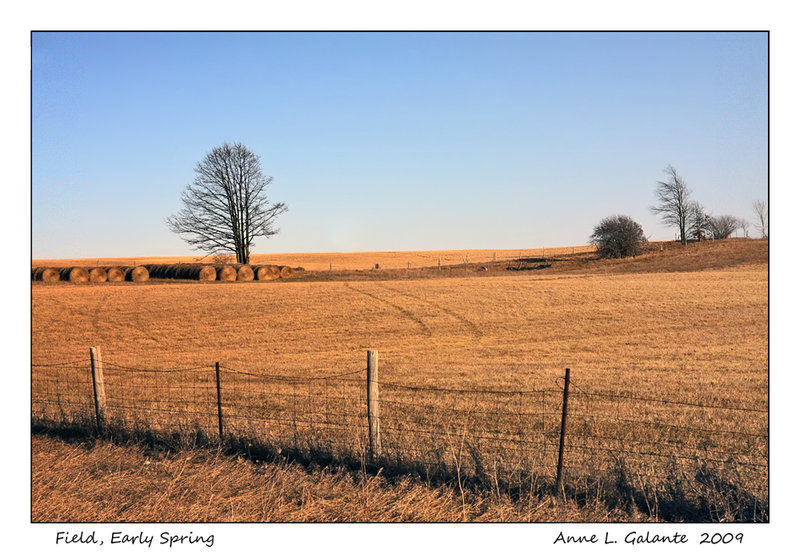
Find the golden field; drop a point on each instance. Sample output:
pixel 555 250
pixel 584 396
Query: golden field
pixel 319 261
pixel 686 326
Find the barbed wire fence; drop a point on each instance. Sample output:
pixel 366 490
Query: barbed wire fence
pixel 565 432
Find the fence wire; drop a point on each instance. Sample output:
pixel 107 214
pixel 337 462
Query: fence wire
pixel 509 434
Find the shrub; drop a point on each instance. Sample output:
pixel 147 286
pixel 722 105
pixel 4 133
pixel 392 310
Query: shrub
pixel 618 236
pixel 723 226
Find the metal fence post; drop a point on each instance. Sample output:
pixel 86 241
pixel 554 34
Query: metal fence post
pixel 559 471
pixel 98 387
pixel 219 403
pixel 373 405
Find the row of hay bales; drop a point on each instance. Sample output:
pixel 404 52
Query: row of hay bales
pixel 225 272
pixel 197 272
pixel 89 274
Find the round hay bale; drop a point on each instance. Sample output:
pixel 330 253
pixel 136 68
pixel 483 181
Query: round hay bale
pixel 75 275
pixel 160 271
pixel 226 272
pixel 46 274
pixel 244 272
pixel 114 274
pixel 206 272
pixel 98 275
pixel 137 274
pixel 267 272
pixel 197 272
pixel 286 272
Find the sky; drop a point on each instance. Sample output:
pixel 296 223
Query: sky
pixel 382 141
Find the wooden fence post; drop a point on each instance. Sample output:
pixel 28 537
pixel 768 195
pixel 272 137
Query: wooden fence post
pixel 219 404
pixel 440 263
pixel 559 472
pixel 373 405
pixel 98 387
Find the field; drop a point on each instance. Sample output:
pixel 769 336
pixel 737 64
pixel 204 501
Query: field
pixel 684 326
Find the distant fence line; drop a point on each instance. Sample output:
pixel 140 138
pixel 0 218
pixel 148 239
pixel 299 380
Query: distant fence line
pixel 548 431
pixel 110 271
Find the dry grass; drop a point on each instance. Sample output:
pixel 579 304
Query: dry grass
pixel 684 335
pixel 104 482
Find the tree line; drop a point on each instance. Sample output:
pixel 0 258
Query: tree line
pixel 620 236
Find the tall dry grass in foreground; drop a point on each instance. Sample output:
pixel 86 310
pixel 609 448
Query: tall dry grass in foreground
pixel 105 482
pixel 689 339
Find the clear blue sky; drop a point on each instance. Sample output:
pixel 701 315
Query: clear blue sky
pixel 392 141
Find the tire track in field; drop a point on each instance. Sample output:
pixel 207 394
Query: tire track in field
pixel 471 325
pixel 425 329
pixel 95 315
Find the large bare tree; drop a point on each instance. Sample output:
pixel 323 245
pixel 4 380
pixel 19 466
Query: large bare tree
pixel 673 201
pixel 226 207
pixel 760 209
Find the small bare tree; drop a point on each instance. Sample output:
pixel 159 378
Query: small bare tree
pixel 722 226
pixel 673 201
pixel 225 208
pixel 762 217
pixel 744 225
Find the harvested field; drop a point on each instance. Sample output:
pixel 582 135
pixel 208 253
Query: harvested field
pixel 685 336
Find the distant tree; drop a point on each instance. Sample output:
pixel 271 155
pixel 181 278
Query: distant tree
pixel 673 201
pixel 697 221
pixel 723 226
pixel 225 208
pixel 744 225
pixel 618 236
pixel 762 217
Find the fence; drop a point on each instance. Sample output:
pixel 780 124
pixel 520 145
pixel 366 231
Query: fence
pixel 556 434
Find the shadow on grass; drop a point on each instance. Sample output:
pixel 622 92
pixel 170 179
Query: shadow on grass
pixel 707 494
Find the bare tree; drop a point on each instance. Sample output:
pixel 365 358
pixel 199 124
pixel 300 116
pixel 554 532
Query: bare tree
pixel 697 221
pixel 225 208
pixel 673 201
pixel 744 225
pixel 722 226
pixel 762 217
